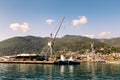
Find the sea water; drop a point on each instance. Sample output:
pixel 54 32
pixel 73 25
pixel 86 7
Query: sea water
pixel 84 71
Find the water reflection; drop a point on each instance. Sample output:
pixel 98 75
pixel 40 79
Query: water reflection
pixel 62 69
pixel 71 68
pixel 102 71
pixel 84 71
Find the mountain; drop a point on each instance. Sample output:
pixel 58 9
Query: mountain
pixel 28 44
pixel 32 44
pixel 80 38
pixel 80 43
pixel 113 41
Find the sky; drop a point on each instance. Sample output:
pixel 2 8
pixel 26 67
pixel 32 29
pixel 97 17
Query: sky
pixel 90 18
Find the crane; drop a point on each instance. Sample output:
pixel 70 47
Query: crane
pixel 51 42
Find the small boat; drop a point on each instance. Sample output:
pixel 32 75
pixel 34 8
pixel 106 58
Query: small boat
pixel 64 61
pixel 72 61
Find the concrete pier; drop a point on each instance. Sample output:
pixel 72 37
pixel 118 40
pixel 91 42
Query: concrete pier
pixel 29 62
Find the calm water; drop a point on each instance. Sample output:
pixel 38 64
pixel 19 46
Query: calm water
pixel 84 71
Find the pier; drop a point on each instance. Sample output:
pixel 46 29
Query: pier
pixel 42 62
pixel 29 62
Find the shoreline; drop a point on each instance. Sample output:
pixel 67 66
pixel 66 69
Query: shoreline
pixel 43 62
pixel 56 62
pixel 113 62
pixel 29 62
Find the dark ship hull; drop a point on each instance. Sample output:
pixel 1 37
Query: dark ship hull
pixel 67 62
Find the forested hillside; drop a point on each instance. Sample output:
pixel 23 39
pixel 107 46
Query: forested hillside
pixel 113 41
pixel 28 44
pixel 32 44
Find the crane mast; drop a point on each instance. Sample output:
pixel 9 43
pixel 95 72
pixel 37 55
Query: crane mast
pixel 51 43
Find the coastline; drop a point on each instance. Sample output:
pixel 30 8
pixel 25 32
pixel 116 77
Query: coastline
pixel 43 62
pixel 113 62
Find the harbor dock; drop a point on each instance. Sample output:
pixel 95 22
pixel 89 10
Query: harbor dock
pixel 29 62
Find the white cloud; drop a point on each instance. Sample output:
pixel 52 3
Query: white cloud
pixel 21 27
pixel 104 34
pixel 81 20
pixel 100 35
pixel 90 35
pixel 49 21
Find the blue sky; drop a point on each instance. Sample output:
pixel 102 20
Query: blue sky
pixel 91 18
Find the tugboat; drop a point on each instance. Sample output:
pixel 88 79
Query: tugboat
pixel 64 61
pixel 72 61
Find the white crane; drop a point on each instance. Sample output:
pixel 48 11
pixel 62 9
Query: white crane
pixel 51 42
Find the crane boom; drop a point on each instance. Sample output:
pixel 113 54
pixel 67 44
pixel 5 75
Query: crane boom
pixel 58 28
